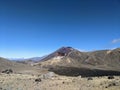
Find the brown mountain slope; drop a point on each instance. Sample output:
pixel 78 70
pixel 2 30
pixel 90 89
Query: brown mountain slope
pixel 16 67
pixel 68 59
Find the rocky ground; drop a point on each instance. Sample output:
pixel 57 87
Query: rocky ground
pixel 51 81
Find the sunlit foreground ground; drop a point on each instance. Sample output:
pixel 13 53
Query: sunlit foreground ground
pixel 56 82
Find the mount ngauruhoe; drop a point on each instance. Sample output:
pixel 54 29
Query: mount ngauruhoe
pixel 69 61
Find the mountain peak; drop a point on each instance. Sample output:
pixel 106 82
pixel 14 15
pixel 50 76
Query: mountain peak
pixel 64 51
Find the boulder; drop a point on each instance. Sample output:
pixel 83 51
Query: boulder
pixel 7 71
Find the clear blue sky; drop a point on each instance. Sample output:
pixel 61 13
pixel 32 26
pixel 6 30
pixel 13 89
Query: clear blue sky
pixel 37 27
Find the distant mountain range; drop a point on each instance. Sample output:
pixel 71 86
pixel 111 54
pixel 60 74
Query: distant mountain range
pixel 34 59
